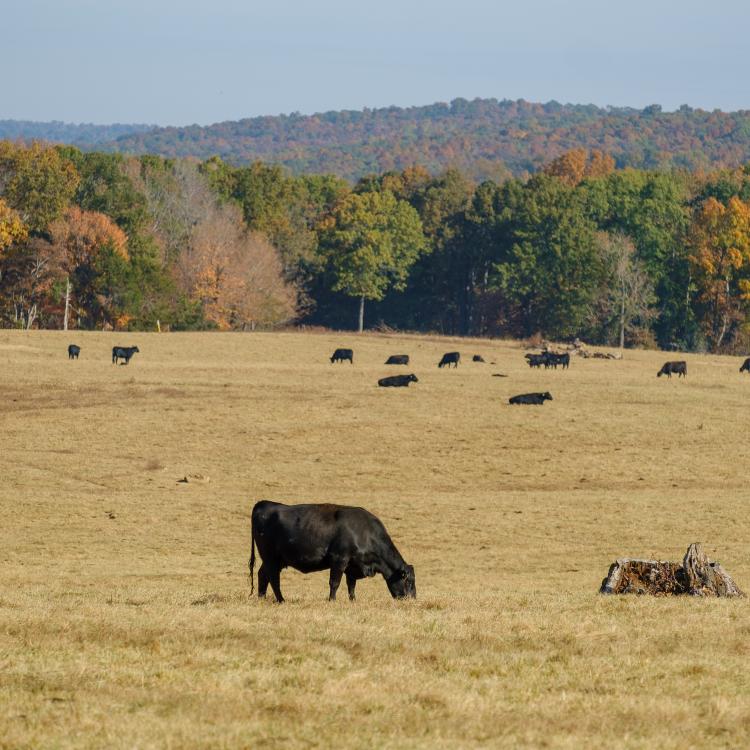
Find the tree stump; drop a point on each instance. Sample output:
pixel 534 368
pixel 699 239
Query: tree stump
pixel 697 576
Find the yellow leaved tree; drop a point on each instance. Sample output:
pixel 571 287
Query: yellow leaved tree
pixel 720 266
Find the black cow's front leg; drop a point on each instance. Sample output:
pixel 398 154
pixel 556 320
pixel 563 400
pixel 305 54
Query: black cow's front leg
pixel 351 583
pixel 262 581
pixel 334 581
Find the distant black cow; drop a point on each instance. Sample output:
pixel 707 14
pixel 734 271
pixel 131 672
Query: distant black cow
pixel 477 358
pixel 745 365
pixel 531 398
pixel 123 352
pixel 398 359
pixel 345 540
pixel 340 355
pixel 673 368
pixel 537 360
pixel 73 351
pixel 450 358
pixel 554 359
pixel 397 381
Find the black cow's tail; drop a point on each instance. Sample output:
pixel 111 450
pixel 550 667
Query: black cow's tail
pixel 251 562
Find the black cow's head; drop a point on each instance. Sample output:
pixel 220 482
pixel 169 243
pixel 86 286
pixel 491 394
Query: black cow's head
pixel 402 583
pixel 413 379
pixel 547 396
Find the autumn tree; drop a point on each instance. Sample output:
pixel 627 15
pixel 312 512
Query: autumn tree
pixel 577 164
pixel 370 243
pixel 37 182
pixel 236 275
pixel 720 262
pixel 627 294
pixel 30 270
pixel 12 228
pixel 88 242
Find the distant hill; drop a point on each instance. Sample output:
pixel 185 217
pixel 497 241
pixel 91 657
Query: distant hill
pixel 483 137
pixel 83 136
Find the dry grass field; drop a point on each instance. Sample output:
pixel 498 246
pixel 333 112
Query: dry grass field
pixel 125 615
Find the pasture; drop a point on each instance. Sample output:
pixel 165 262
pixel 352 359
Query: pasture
pixel 125 615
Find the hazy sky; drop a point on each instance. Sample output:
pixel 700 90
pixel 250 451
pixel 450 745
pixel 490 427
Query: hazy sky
pixel 165 62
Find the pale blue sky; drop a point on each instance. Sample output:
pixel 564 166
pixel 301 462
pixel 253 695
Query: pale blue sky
pixel 185 62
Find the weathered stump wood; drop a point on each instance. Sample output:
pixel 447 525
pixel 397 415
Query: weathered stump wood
pixel 697 576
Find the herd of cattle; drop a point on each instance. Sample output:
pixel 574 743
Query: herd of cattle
pixel 348 541
pixel 548 359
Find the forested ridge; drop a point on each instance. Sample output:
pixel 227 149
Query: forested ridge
pixel 581 247
pixel 484 138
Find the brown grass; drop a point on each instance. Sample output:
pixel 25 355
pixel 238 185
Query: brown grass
pixel 125 616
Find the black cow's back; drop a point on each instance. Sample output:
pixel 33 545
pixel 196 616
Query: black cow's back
pixel 450 358
pixel 303 536
pixel 398 359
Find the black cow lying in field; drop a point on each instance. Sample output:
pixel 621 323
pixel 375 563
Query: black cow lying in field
pixel 477 358
pixel 673 368
pixel 397 381
pixel 124 353
pixel 73 351
pixel 340 355
pixel 745 365
pixel 450 358
pixel 531 398
pixel 345 540
pixel 398 359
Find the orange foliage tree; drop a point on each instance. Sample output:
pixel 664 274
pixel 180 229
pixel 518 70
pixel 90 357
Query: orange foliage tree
pixel 235 275
pixel 720 264
pixel 576 165
pixel 81 237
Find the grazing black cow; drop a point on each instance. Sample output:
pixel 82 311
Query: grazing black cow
pixel 73 351
pixel 477 358
pixel 340 538
pixel 745 365
pixel 450 358
pixel 673 368
pixel 397 381
pixel 398 359
pixel 531 398
pixel 537 360
pixel 340 355
pixel 123 352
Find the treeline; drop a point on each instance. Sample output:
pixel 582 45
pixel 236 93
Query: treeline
pixel 581 248
pixel 483 138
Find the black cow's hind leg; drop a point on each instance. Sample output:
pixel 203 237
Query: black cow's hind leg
pixel 274 578
pixel 262 581
pixel 334 581
pixel 351 583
